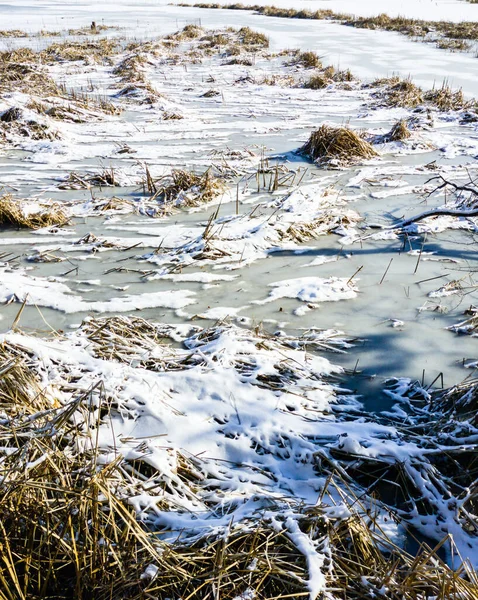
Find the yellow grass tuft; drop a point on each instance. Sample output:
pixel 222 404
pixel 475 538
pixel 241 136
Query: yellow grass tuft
pixel 341 145
pixel 21 214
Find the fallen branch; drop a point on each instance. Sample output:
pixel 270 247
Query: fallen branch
pixel 454 212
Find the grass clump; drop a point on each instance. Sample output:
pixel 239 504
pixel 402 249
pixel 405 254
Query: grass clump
pixel 308 60
pixel 185 188
pixel 20 70
pixel 13 33
pixel 453 45
pixel 21 214
pixel 245 62
pixel 339 145
pixel 215 40
pixel 398 133
pixel 318 81
pixel 90 51
pixel 446 99
pixel 397 92
pixel 210 94
pixel 189 32
pixel 249 37
pixel 322 79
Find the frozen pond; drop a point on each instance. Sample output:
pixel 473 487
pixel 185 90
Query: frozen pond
pixel 241 251
pixel 402 330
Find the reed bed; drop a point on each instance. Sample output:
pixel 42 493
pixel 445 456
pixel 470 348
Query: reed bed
pixel 337 145
pixel 20 71
pixel 22 214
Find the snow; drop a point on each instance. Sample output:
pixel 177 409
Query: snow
pixel 54 294
pixel 312 289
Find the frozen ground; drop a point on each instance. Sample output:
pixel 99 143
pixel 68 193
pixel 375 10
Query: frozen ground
pixel 278 275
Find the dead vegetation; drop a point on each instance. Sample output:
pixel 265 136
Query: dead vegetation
pixel 210 94
pixel 453 45
pixel 399 132
pixel 189 32
pixel 107 177
pixel 69 527
pixel 185 188
pixel 445 99
pixel 398 92
pixel 245 62
pixel 30 215
pixel 93 29
pixel 252 39
pixel 469 326
pixel 308 60
pixel 90 51
pixel 20 71
pixel 330 145
pixel 13 33
pixel 14 124
pixel 325 77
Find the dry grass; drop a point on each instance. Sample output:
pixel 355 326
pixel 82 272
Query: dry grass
pixel 130 69
pixel 398 133
pixel 20 71
pixel 453 45
pixel 445 99
pixel 399 93
pixel 13 33
pixel 94 51
pixel 210 94
pixel 186 188
pixel 67 529
pixel 245 62
pixel 338 145
pixel 104 178
pixel 18 213
pixel 326 77
pixel 215 40
pixel 93 29
pixel 278 79
pixel 252 39
pixel 189 32
pixel 363 560
pixel 308 60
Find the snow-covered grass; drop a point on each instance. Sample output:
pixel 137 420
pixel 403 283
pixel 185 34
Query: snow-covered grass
pixel 234 444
